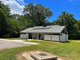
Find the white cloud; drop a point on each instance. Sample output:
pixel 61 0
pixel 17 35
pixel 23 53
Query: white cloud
pixel 15 7
pixel 21 2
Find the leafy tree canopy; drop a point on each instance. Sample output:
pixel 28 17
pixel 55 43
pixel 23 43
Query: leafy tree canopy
pixel 37 14
pixel 4 15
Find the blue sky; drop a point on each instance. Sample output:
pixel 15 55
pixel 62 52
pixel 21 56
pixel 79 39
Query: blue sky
pixel 56 6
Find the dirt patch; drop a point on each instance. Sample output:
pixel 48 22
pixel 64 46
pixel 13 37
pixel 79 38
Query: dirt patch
pixel 20 56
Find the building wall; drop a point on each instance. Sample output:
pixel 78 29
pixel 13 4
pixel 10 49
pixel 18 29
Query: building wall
pixel 23 35
pixel 51 37
pixel 47 37
pixel 55 37
pixel 64 37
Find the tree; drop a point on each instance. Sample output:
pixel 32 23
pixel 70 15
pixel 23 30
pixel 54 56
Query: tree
pixel 24 22
pixel 68 20
pixel 4 14
pixel 47 23
pixel 14 28
pixel 78 23
pixel 37 14
pixel 15 16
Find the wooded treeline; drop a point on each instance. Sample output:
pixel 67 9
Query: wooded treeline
pixel 35 15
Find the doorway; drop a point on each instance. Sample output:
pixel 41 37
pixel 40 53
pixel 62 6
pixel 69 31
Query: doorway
pixel 30 36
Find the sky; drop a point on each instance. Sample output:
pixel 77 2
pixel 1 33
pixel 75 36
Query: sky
pixel 56 6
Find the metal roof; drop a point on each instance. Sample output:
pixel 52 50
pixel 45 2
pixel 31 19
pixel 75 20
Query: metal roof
pixel 42 29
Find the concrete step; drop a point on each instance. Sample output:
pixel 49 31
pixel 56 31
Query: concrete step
pixel 27 56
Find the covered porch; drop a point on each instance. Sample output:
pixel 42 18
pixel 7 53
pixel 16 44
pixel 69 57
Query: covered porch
pixel 37 36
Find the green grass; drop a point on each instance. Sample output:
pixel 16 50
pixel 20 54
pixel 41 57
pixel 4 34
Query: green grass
pixel 71 50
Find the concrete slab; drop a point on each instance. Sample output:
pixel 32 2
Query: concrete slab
pixel 27 56
pixel 43 56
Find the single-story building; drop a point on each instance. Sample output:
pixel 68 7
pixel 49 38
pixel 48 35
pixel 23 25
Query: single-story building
pixel 52 33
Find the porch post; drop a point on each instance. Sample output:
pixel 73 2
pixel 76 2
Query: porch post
pixel 38 36
pixel 32 35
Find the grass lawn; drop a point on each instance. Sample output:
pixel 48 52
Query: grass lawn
pixel 71 50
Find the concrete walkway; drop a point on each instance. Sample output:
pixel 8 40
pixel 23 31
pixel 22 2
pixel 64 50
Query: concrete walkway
pixel 6 44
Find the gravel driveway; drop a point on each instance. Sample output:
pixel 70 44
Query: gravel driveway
pixel 10 44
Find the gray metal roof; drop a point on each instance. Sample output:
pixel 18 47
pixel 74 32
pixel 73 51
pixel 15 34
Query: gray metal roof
pixel 42 29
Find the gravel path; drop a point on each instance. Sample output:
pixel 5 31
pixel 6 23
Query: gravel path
pixel 6 44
